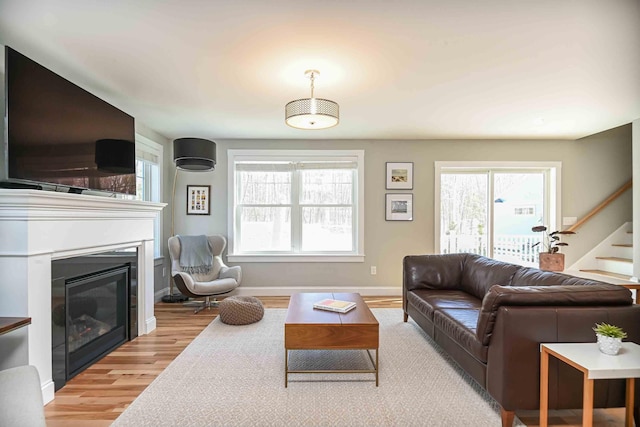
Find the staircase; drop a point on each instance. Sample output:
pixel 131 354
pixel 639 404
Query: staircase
pixel 611 261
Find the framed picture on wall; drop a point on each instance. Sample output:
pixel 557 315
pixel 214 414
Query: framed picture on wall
pixel 399 207
pixel 198 199
pixel 400 176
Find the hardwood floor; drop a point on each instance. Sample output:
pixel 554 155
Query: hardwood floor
pixel 98 395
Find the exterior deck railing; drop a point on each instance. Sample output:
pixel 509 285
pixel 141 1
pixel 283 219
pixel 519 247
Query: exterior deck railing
pixel 507 247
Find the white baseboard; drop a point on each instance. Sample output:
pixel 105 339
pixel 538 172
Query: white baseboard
pixel 288 291
pixel 282 291
pixel 48 391
pixel 150 325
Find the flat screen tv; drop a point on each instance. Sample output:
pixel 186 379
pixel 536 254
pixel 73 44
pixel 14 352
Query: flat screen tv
pixel 61 136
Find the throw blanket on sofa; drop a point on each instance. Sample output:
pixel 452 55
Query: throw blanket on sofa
pixel 195 254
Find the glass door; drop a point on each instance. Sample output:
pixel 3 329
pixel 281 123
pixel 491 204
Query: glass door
pixel 464 216
pixel 491 212
pixel 518 205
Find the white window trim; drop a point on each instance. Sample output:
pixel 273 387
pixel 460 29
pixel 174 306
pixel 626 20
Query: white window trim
pixel 555 176
pixel 356 256
pixel 149 146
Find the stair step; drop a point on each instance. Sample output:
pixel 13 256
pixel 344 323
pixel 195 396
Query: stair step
pixel 609 274
pixel 614 258
pixel 623 245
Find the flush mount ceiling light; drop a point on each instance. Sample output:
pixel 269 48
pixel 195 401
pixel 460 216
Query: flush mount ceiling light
pixel 312 113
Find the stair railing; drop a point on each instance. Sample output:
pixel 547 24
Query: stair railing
pixel 601 206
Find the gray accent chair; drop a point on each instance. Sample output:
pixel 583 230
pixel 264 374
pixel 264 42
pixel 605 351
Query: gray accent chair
pixel 21 398
pixel 220 279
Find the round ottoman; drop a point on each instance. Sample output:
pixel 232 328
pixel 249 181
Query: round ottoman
pixel 240 310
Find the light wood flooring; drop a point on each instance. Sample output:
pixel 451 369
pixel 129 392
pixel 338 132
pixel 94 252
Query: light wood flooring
pixel 98 395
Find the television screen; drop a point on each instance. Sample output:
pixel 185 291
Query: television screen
pixel 60 134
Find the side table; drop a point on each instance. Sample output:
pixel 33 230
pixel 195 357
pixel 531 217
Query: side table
pixel 594 365
pixel 8 324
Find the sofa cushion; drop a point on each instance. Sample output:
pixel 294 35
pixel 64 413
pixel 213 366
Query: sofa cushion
pixel 428 301
pixel 460 325
pixel 480 274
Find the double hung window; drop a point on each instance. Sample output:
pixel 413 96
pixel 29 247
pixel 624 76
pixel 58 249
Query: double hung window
pixel 289 204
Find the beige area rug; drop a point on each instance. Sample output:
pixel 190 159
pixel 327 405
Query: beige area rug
pixel 234 376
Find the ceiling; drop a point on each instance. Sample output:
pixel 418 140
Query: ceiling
pixel 400 69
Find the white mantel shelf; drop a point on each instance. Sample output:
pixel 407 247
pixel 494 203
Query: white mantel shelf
pixel 37 227
pixel 23 204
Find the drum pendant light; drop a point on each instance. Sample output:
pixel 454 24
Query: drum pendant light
pixel 194 154
pixel 312 113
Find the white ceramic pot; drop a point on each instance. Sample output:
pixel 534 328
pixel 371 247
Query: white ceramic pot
pixel 609 345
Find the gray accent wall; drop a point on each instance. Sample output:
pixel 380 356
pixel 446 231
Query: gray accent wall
pixel 592 168
pixel 603 165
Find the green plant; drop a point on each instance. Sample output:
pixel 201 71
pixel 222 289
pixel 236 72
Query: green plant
pixel 551 241
pixel 609 330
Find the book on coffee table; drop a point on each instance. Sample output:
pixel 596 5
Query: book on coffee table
pixel 335 305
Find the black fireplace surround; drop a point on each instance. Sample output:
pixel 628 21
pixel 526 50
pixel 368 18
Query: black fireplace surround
pixel 93 310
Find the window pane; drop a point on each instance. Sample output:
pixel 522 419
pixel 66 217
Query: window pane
pixel 463 220
pixel 519 205
pixel 326 187
pixel 265 229
pixel 139 180
pixel 327 229
pixel 264 188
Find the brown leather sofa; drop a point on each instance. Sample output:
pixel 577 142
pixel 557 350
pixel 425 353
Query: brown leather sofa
pixel 491 316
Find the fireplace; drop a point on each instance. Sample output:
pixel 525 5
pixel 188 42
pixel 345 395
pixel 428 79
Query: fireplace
pixel 93 310
pixel 42 227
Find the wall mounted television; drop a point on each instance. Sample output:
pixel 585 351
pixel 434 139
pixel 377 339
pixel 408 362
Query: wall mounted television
pixel 58 136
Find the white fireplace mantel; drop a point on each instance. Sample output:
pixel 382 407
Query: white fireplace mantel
pixel 37 227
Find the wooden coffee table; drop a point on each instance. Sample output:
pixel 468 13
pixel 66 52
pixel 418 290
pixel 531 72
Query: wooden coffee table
pixel 306 328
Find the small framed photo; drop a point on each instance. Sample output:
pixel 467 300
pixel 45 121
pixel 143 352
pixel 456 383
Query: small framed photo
pixel 400 176
pixel 399 207
pixel 198 199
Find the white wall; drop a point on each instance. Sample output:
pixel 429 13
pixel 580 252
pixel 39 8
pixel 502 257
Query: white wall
pixel 593 168
pixel 636 199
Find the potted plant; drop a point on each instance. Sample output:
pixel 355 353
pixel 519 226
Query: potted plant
pixel 609 338
pixel 551 259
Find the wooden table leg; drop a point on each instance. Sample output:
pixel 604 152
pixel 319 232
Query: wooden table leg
pixel 286 367
pixel 587 402
pixel 378 368
pixel 630 401
pixel 544 388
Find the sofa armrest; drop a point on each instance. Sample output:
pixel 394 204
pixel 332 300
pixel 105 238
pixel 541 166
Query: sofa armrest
pixel 556 296
pixel 513 359
pixel 432 271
